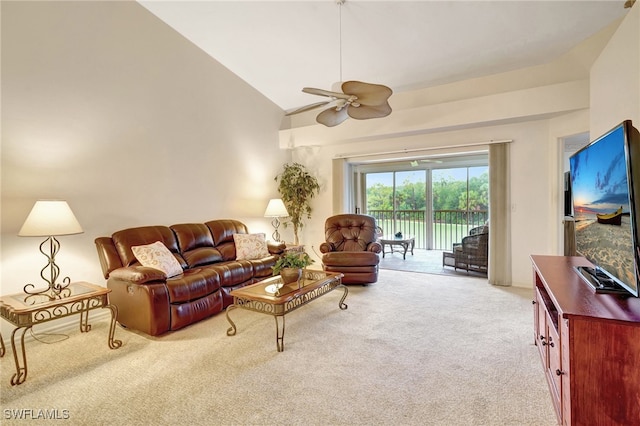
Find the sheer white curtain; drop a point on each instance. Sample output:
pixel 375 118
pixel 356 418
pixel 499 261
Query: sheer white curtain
pixel 499 215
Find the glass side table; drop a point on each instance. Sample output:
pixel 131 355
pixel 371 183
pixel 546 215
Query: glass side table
pixel 24 311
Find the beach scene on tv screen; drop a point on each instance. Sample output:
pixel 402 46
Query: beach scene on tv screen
pixel 601 207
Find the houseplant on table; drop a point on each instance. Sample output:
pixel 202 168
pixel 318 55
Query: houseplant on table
pixel 297 187
pixel 290 266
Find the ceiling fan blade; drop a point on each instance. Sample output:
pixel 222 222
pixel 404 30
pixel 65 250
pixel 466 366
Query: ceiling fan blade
pixel 332 117
pixel 307 108
pixel 322 92
pixel 367 93
pixel 365 112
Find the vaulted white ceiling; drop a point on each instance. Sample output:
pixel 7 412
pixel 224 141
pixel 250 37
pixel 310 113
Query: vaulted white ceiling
pixel 279 47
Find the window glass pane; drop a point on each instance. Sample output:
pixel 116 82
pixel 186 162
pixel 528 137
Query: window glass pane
pixel 449 189
pixel 460 203
pixel 410 190
pixel 379 191
pixel 479 188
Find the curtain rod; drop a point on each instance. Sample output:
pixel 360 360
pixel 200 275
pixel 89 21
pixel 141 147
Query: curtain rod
pixel 410 150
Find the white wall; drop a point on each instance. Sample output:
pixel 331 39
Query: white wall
pixel 105 106
pixel 615 78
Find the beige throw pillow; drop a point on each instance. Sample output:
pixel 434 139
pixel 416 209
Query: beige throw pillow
pixel 250 246
pixel 157 256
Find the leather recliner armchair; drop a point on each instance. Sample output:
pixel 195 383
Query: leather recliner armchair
pixel 351 248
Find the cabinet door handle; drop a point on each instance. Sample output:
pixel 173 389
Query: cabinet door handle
pixel 559 372
pixel 533 302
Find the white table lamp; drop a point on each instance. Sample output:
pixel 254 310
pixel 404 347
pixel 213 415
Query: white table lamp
pixel 50 219
pixel 276 210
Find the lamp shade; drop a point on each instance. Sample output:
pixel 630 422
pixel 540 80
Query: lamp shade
pixel 276 208
pixel 48 218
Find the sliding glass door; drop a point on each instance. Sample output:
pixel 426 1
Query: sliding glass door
pixel 460 202
pixel 398 201
pixel 437 206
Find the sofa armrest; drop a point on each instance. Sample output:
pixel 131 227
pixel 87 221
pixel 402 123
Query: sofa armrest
pixel 374 247
pixel 144 307
pixel 138 274
pixel 276 247
pixel 327 247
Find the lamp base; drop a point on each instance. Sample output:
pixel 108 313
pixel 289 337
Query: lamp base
pixel 276 235
pixel 54 290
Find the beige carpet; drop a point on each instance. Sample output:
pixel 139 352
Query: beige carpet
pixel 413 349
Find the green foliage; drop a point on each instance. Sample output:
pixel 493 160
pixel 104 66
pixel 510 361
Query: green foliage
pixel 448 194
pixel 297 187
pixel 411 196
pixel 380 197
pixel 292 260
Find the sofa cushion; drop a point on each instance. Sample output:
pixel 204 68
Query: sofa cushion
pixel 350 232
pixel 356 258
pixel 193 284
pixel 158 256
pixel 222 231
pixel 183 314
pixel 250 246
pixel 196 244
pixel 127 238
pixel 233 272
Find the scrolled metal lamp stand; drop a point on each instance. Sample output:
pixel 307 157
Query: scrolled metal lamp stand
pixel 276 224
pixel 54 290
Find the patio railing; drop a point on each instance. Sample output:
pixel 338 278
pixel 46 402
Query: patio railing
pixel 447 226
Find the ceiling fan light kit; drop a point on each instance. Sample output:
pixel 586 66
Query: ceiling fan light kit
pixel 358 100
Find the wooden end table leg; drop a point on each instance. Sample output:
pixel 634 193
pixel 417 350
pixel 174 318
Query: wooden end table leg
pixel 21 372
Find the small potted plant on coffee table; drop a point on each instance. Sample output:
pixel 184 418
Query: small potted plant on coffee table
pixel 290 266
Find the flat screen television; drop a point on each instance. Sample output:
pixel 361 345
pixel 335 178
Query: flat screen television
pixel 604 183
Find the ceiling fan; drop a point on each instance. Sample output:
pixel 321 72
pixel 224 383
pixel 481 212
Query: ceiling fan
pixel 415 163
pixel 357 100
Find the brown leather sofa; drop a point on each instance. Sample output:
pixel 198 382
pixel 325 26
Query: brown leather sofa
pixel 150 302
pixel 351 248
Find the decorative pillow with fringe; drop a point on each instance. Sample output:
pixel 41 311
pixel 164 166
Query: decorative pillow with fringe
pixel 251 246
pixel 158 256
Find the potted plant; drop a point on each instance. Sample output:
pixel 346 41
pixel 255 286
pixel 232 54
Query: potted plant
pixel 290 266
pixel 297 187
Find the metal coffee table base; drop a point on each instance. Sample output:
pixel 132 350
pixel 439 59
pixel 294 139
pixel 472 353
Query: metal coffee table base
pixel 278 306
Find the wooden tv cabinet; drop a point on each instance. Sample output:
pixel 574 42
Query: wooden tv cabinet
pixel 589 345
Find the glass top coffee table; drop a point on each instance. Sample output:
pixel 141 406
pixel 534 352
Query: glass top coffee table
pixel 272 297
pixel 406 243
